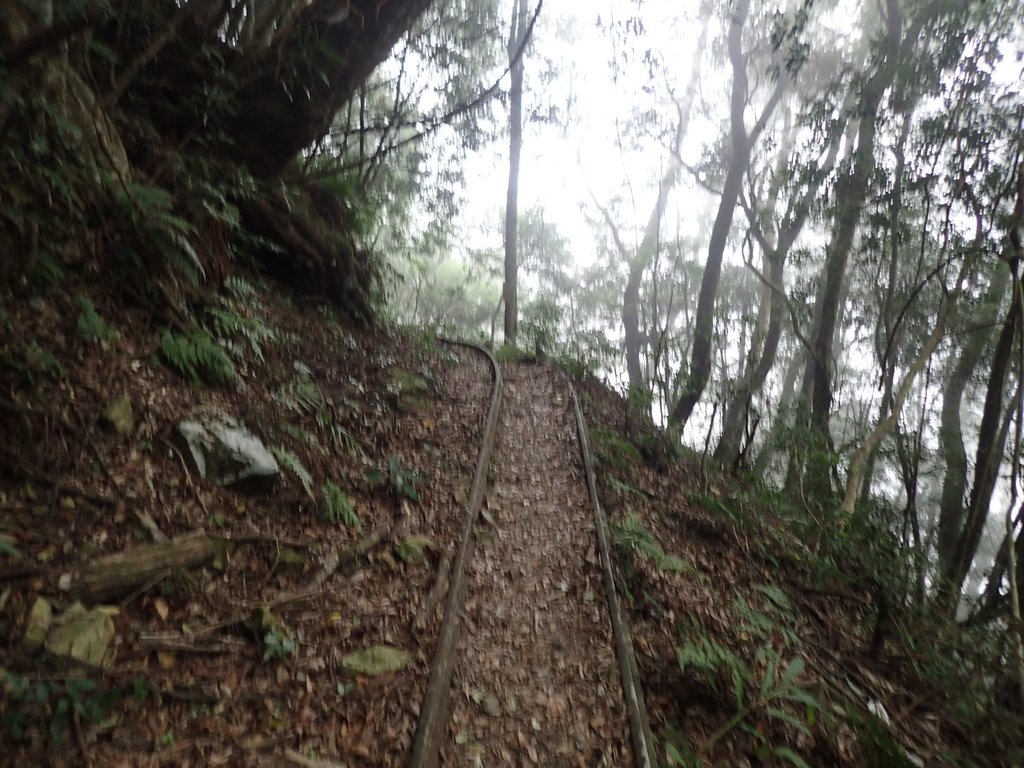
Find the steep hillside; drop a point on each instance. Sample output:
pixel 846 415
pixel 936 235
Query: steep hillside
pixel 230 651
pixel 153 617
pixel 769 636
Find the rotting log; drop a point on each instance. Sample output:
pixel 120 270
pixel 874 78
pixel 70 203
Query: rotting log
pixel 115 575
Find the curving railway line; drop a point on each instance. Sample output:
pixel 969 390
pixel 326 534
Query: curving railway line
pixel 533 663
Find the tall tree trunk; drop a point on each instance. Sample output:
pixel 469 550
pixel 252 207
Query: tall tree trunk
pixel 991 442
pixel 951 440
pixel 872 441
pixel 851 193
pixel 510 290
pixel 991 438
pixel 775 254
pixel 641 259
pixel 886 334
pixel 782 416
pixel 700 354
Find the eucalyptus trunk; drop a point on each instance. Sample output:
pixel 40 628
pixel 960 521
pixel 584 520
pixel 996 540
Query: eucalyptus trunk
pixel 887 333
pixel 851 193
pixel 762 361
pixel 641 259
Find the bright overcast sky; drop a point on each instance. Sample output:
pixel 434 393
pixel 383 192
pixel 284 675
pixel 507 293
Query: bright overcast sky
pixel 559 163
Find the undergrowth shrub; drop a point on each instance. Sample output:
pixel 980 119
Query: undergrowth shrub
pixel 294 464
pixel 339 507
pixel 90 326
pixel 197 357
pixel 614 450
pixel 766 687
pixel 633 539
pixel 30 706
pixel 238 324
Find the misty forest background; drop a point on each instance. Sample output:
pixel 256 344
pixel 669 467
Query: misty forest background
pixel 799 250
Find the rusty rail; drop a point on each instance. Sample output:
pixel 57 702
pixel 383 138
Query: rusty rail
pixel 640 730
pixel 430 729
pixel 434 711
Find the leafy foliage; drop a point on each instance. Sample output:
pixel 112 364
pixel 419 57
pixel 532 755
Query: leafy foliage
pixel 159 231
pixel 614 449
pixel 237 324
pixel 27 702
pixel 772 694
pixel 197 357
pixel 277 643
pixel 632 539
pixel 35 361
pixel 90 325
pixel 399 479
pixel 8 550
pixel 340 507
pixel 294 465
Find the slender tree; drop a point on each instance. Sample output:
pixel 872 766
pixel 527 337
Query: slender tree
pixel 954 483
pixel 510 292
pixel 739 145
pixel 851 193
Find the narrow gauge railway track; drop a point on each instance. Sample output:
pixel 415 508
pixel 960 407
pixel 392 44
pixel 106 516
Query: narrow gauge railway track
pixel 533 663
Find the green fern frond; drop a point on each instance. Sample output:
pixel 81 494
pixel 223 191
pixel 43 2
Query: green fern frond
pixel 340 507
pixel 90 325
pixel 231 324
pixel 303 436
pixel 302 395
pixel 294 465
pixel 240 288
pixel 197 357
pixel 181 255
pixel 632 536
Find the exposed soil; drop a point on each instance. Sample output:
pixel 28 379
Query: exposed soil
pixel 537 682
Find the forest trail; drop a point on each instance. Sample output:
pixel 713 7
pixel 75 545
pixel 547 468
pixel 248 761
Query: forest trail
pixel 537 682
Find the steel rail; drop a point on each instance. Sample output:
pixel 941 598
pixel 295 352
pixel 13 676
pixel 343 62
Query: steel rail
pixel 430 729
pixel 433 719
pixel 644 753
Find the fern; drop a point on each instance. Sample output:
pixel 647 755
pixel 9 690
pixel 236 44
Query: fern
pixel 150 209
pixel 39 360
pixel 90 325
pixel 631 536
pixel 340 507
pixel 708 656
pixel 292 462
pixel 229 324
pixel 401 480
pixel 197 357
pixel 303 436
pixel 240 288
pixel 303 396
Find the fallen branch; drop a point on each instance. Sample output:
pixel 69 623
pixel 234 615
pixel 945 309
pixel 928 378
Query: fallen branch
pixel 117 574
pixel 313 587
pixel 176 642
pixel 440 588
